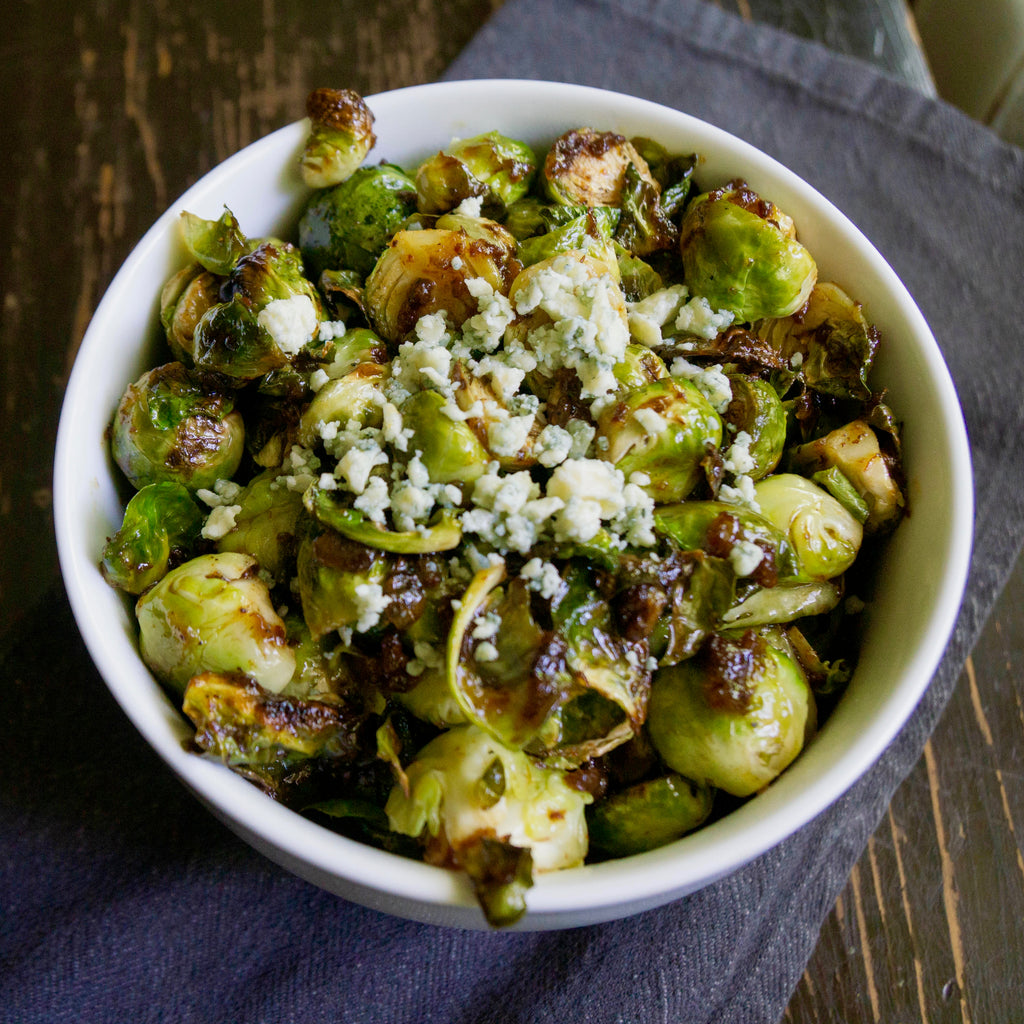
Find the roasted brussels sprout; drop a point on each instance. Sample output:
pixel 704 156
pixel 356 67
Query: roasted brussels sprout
pixel 648 815
pixel 464 784
pixel 756 413
pixel 449 449
pixel 213 614
pixel 161 523
pixel 353 397
pixel 171 425
pixel 831 342
pixel 340 136
pixel 264 523
pixel 348 226
pixel 662 429
pixel 239 722
pixel 494 167
pixel 737 256
pixel 184 300
pixel 734 716
pixel 853 449
pixel 825 537
pixel 588 168
pixel 216 245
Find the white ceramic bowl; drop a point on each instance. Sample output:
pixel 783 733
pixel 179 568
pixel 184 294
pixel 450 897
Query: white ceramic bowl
pixel 921 577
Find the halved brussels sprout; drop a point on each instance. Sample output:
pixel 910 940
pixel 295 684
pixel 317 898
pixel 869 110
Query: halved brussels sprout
pixel 465 784
pixel 239 722
pixel 789 600
pixel 161 522
pixel 213 614
pixel 348 226
pixel 340 582
pixel 736 255
pixel 757 411
pixel 735 716
pixel 662 429
pixel 449 449
pixel 492 166
pixel 184 300
pixel 341 134
pixel 854 450
pixel 265 523
pixel 588 168
pixel 825 537
pixel 353 397
pixel 830 341
pixel 648 815
pixel 171 426
pixel 425 271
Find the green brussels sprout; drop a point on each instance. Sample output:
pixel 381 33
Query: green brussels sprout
pixel 639 279
pixel 397 293
pixel 588 168
pixel 216 245
pixel 643 228
pixel 184 299
pixel 735 716
pixel 265 523
pixel 507 682
pixel 492 166
pixel 356 346
pixel 348 226
pixel 742 261
pixel 853 450
pixel 355 396
pixel 831 341
pixel 662 429
pixel 825 537
pixel 213 614
pixel 161 522
pixel 578 233
pixel 449 449
pixel 648 815
pixel 442 533
pixel 169 426
pixel 757 411
pixel 340 582
pixel 239 722
pixel 340 136
pixel 525 217
pixel 717 528
pixel 465 784
pixel 271 312
pixel 639 366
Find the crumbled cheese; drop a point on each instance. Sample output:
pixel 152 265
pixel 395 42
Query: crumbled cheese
pixel 330 330
pixel 697 317
pixel 650 421
pixel 486 627
pixel 742 494
pixel 485 652
pixel 710 381
pixel 370 603
pixel 220 522
pixel 650 314
pixel 745 556
pixel 554 445
pixel 291 322
pixel 224 492
pixel 542 577
pixel 470 207
pixel 375 500
pixel 356 465
pixel 318 378
pixel 796 360
pixel 738 459
pixel 509 437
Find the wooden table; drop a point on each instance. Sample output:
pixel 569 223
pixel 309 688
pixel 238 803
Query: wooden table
pixel 111 109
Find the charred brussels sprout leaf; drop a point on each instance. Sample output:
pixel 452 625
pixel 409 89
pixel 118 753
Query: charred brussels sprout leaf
pixel 348 226
pixel 172 426
pixel 501 874
pixel 239 722
pixel 160 522
pixel 648 815
pixel 577 232
pixel 341 134
pixel 643 228
pixel 216 245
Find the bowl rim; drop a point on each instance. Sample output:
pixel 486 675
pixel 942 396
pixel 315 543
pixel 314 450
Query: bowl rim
pixel 705 855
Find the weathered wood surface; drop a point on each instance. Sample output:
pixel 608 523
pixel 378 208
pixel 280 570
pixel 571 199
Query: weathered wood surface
pixel 112 109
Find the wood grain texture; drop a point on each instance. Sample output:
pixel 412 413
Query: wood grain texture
pixel 114 108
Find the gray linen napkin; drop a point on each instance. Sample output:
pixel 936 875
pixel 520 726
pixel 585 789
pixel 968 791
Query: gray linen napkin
pixel 120 899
